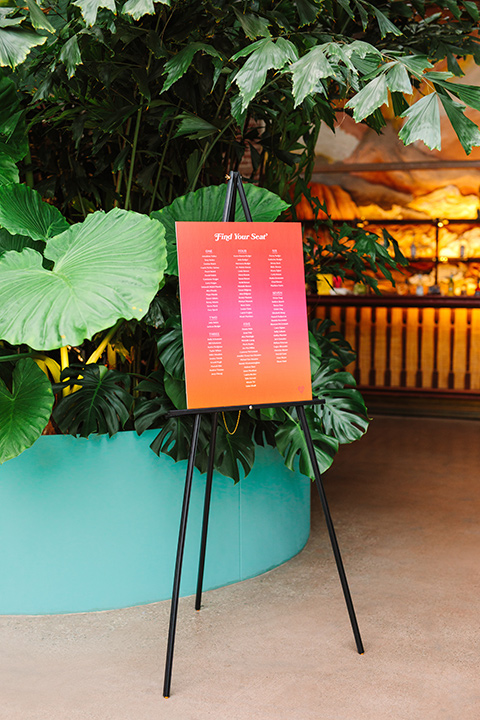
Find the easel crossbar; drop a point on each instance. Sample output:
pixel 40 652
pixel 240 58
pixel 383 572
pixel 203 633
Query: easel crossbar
pixel 228 408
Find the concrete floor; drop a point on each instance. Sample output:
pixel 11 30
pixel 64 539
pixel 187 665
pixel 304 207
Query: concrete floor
pixel 405 502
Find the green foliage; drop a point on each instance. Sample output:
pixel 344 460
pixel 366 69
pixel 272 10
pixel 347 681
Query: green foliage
pixel 91 285
pixel 341 419
pixel 8 170
pixel 61 286
pixel 17 242
pixel 25 408
pixel 291 443
pixel 90 8
pixel 23 211
pixel 423 123
pixel 13 136
pixel 136 103
pixel 263 55
pixel 351 252
pixel 15 42
pixel 235 452
pixel 206 205
pixel 100 404
pixel 175 437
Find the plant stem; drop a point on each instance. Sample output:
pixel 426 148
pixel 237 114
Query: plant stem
pixel 97 353
pixel 64 363
pixel 82 206
pixel 290 416
pixel 134 152
pixel 64 360
pixel 9 358
pixel 29 179
pixel 160 166
pixel 118 183
pixel 205 153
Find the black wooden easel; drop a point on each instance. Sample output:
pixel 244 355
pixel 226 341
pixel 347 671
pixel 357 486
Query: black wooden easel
pixel 234 186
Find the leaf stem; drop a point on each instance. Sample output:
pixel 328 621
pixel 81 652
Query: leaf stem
pixel 64 363
pixel 160 166
pixel 17 356
pixel 205 153
pixel 29 179
pixel 97 353
pixel 134 152
pixel 290 416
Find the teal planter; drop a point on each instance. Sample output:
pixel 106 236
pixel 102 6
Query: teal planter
pixel 93 524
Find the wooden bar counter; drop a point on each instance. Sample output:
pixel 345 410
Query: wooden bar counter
pixel 425 344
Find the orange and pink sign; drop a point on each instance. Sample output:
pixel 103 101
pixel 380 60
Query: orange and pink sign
pixel 244 316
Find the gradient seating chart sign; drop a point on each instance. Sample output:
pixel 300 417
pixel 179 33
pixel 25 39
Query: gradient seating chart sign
pixel 244 315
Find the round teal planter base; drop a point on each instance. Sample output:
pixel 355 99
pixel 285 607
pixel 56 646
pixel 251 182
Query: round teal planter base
pixel 93 524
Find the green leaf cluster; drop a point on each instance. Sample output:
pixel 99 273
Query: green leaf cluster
pixel 25 408
pixel 136 103
pixel 351 252
pixel 101 403
pixel 60 285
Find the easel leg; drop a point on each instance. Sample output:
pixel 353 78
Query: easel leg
pixel 179 561
pixel 331 530
pixel 206 511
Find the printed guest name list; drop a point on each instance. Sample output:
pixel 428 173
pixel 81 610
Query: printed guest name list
pixel 244 318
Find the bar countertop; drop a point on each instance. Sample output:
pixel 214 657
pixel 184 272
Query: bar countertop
pixel 392 300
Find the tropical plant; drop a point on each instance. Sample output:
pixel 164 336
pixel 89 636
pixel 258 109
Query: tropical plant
pixel 80 280
pixel 138 102
pixel 341 419
pixel 134 104
pixel 91 280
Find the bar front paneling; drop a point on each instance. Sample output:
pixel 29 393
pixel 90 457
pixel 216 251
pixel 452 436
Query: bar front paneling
pixel 407 342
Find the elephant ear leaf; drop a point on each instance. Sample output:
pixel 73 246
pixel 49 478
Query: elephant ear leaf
pixel 105 268
pixel 17 242
pixel 23 212
pixel 206 205
pixel 25 410
pixel 100 404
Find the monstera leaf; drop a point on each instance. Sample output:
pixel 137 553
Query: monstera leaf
pixel 206 205
pixel 106 268
pixel 343 413
pixel 170 349
pixel 175 437
pixel 101 403
pixel 235 451
pixel 150 412
pixel 291 442
pixel 25 410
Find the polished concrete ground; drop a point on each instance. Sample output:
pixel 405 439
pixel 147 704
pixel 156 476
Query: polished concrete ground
pixel 406 502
